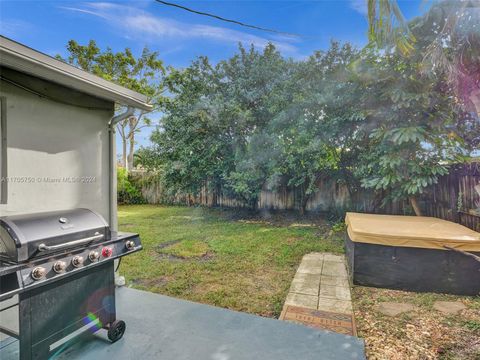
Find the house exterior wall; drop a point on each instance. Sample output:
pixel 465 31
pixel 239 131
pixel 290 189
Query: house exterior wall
pixel 58 149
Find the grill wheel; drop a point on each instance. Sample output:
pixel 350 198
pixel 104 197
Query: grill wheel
pixel 116 330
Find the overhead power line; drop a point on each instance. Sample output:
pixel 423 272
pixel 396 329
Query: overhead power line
pixel 227 20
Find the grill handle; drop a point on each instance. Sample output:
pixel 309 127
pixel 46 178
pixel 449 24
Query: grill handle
pixel 43 247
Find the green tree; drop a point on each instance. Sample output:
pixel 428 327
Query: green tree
pixel 213 117
pixel 311 139
pixel 143 74
pixel 254 87
pixel 194 141
pixel 415 127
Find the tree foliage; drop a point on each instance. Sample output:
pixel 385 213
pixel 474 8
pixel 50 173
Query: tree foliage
pixel 259 121
pixel 127 190
pixel 414 127
pixel 143 74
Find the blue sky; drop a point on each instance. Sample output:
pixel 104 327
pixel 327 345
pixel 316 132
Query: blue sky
pixel 180 36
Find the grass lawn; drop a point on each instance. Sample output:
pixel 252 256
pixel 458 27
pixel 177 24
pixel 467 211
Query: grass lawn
pixel 225 258
pixel 243 262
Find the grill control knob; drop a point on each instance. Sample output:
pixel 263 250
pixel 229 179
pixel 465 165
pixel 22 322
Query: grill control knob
pixel 130 245
pixel 93 256
pixel 77 261
pixel 107 251
pixel 59 266
pixel 38 273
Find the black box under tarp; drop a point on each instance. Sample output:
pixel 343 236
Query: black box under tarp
pixel 412 253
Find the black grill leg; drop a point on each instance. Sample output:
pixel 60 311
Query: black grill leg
pixel 25 334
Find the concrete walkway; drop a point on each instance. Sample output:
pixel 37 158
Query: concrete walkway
pixel 321 284
pixel 161 327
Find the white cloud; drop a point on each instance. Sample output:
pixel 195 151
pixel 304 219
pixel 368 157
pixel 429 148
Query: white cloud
pixel 359 6
pixel 84 11
pixel 137 23
pixel 104 5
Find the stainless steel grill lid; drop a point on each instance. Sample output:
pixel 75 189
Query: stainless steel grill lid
pixel 23 237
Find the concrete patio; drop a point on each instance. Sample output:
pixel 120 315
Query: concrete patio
pixel 160 327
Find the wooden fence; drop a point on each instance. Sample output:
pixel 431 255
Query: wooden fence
pixel 456 196
pixel 453 198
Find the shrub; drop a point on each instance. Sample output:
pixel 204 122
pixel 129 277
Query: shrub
pixel 127 190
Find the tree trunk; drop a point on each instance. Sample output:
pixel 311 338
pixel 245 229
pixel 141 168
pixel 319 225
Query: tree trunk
pixel 254 204
pixel 124 152
pixel 415 206
pixel 303 205
pixel 303 199
pixel 132 122
pixel 131 144
pixel 216 194
pixel 121 131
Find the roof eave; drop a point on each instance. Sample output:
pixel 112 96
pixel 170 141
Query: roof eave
pixel 27 60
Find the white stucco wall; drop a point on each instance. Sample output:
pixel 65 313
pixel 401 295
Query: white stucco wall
pixel 58 155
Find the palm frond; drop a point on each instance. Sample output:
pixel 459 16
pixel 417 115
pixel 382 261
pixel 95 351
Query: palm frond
pixel 387 26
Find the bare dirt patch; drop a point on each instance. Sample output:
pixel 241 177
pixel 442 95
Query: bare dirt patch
pixel 208 256
pixel 277 218
pixel 423 333
pixel 292 239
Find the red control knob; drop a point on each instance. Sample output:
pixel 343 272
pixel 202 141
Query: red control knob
pixel 107 251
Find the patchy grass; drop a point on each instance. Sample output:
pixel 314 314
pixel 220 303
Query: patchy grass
pixel 422 334
pixel 231 259
pixel 186 249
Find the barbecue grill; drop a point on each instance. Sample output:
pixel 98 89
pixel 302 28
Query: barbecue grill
pixel 60 265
